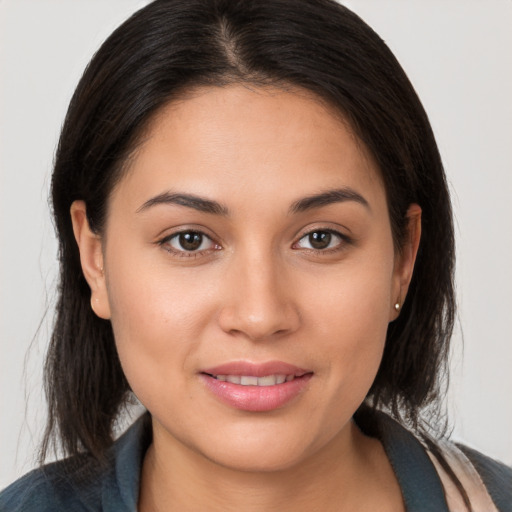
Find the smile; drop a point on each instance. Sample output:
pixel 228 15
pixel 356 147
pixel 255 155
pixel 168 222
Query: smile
pixel 256 387
pixel 251 380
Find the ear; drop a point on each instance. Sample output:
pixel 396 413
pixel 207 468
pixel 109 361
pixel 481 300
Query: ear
pixel 405 259
pixel 91 259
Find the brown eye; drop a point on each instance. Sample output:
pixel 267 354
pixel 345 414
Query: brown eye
pixel 189 241
pixel 320 240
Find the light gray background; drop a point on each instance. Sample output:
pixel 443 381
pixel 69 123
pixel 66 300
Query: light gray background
pixel 458 55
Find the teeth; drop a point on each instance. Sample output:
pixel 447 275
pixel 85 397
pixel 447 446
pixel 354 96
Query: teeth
pixel 269 380
pixel 250 380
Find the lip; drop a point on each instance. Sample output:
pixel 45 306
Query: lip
pixel 256 398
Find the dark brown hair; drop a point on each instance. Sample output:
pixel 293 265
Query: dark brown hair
pixel 171 46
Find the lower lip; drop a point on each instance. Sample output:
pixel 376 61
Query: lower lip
pixel 256 398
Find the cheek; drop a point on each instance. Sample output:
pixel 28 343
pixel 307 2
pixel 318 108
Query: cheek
pixel 148 296
pixel 355 298
pixel 349 316
pixel 157 320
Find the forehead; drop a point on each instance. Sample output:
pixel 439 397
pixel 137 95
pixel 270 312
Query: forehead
pixel 240 141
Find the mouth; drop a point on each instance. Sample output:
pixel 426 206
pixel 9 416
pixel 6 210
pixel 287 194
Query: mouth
pixel 256 387
pixel 252 380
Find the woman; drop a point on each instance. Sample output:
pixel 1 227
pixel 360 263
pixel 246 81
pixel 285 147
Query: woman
pixel 256 242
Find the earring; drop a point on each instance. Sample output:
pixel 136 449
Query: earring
pixel 397 306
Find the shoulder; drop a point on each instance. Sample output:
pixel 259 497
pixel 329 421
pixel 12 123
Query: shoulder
pixel 81 483
pixel 62 485
pixel 424 479
pixel 496 476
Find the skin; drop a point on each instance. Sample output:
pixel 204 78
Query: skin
pixel 256 290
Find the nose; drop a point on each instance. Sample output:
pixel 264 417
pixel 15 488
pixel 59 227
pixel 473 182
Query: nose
pixel 259 304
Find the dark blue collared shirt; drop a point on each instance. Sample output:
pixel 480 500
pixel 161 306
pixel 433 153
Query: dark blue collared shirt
pixel 81 484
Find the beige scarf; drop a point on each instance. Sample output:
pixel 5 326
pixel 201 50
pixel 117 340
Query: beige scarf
pixel 469 478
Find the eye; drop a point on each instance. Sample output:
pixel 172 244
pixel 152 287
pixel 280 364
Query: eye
pixel 319 240
pixel 188 241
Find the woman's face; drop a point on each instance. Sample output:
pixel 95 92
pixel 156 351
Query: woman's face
pixel 249 244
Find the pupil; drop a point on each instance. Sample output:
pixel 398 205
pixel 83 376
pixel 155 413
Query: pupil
pixel 320 239
pixel 190 241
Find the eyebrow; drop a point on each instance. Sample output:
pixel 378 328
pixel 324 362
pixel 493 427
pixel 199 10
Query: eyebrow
pixel 328 197
pixel 213 207
pixel 189 200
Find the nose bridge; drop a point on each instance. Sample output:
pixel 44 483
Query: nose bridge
pixel 259 305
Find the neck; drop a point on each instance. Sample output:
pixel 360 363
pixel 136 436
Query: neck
pixel 344 475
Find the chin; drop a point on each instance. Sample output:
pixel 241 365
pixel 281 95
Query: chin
pixel 265 448
pixel 270 460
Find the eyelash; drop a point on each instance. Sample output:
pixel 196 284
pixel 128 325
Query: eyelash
pixel 183 253
pixel 343 240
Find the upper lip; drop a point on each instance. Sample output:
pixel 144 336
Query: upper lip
pixel 256 369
